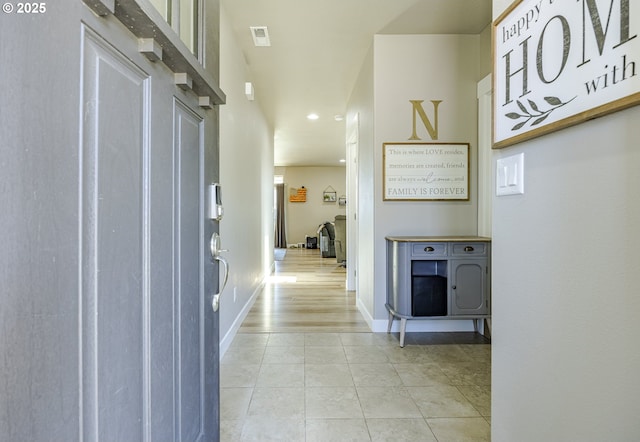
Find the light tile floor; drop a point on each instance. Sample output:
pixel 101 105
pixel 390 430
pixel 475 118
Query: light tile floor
pixel 356 387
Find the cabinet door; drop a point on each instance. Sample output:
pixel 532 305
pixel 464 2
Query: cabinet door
pixel 469 287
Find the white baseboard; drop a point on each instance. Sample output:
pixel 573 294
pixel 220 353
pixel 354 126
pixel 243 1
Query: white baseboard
pixel 416 325
pixel 365 313
pixel 225 342
pixel 425 325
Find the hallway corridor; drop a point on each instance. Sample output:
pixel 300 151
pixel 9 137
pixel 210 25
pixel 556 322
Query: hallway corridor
pixel 305 367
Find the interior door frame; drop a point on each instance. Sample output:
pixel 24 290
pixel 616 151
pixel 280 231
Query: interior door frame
pixel 485 169
pixel 485 188
pixel 352 204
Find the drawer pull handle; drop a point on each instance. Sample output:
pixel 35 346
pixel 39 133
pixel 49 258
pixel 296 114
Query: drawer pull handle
pixel 429 249
pixel 468 249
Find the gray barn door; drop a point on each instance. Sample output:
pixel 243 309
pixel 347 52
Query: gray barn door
pixel 149 356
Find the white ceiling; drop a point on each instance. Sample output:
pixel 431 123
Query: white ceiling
pixel 317 50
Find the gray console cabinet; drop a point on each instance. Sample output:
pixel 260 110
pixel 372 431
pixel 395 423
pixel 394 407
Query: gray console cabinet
pixel 437 277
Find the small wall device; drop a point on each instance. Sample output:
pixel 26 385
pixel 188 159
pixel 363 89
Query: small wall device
pixel 214 202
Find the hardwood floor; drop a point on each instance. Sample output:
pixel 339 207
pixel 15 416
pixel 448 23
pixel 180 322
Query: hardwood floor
pixel 306 293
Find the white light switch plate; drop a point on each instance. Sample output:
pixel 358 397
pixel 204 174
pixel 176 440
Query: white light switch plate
pixel 510 175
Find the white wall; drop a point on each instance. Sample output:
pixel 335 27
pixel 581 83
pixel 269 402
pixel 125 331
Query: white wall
pixel 304 218
pixel 565 287
pixel 246 175
pixel 434 67
pixel 485 61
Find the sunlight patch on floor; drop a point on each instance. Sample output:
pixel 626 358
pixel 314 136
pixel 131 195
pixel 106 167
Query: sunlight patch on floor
pixel 281 279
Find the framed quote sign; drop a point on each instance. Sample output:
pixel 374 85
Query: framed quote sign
pixel 425 171
pixel 558 63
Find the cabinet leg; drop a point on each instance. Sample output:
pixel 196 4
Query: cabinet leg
pixel 390 323
pixel 403 329
pixel 487 327
pixel 476 325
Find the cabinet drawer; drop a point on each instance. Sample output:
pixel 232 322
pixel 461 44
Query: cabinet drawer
pixel 429 249
pixel 469 249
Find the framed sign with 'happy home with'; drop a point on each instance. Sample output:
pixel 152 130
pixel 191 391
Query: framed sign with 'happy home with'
pixel 561 62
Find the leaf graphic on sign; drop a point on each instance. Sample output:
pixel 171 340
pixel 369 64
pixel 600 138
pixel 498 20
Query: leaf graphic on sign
pixel 535 114
pixel 534 106
pixel 554 101
pixel 540 120
pixel 521 106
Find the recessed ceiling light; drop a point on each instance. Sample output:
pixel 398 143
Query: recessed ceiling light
pixel 339 117
pixel 313 116
pixel 342 160
pixel 260 35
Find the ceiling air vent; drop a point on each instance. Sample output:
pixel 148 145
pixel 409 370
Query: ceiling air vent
pixel 260 35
